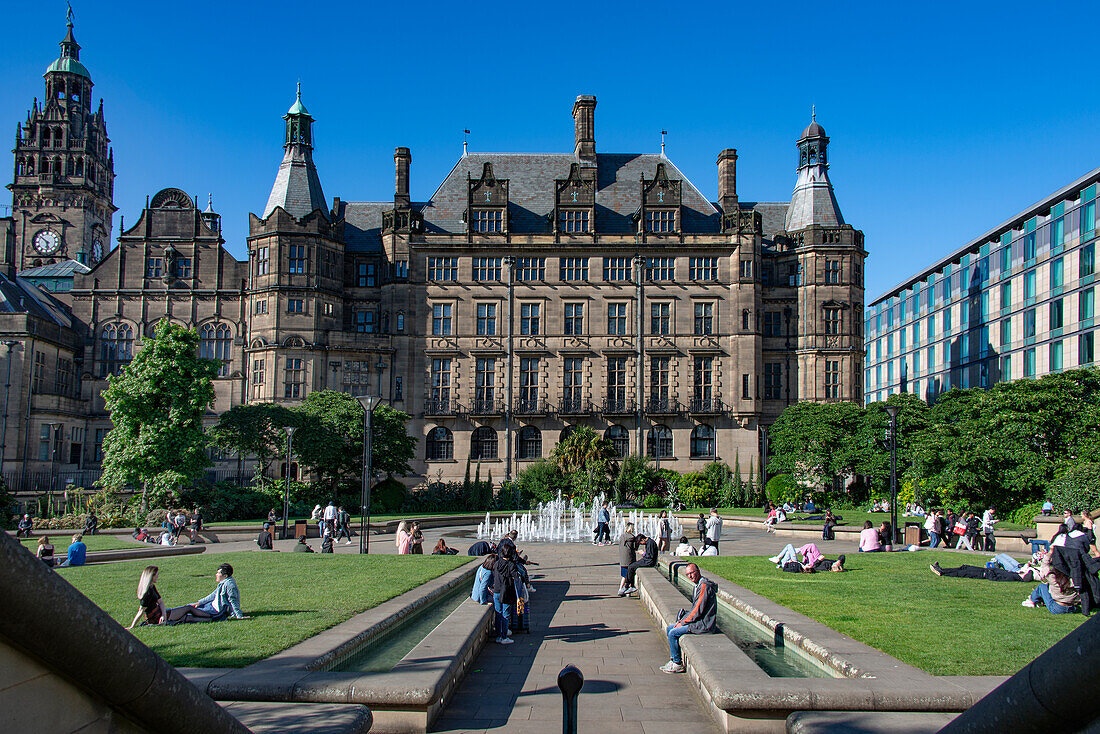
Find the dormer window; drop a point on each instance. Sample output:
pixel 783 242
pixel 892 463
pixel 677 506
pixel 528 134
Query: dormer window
pixel 573 221
pixel 660 221
pixel 487 220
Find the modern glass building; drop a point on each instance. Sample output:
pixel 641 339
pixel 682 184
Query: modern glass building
pixel 1018 301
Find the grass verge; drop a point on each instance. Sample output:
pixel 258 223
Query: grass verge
pixel 893 602
pixel 291 597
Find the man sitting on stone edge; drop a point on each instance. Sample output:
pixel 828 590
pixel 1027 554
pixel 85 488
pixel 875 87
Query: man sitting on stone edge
pixel 702 619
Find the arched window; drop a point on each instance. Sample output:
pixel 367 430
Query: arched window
pixel 216 342
pixel 441 445
pixel 702 442
pixel 659 442
pixel 483 443
pixel 117 348
pixel 566 433
pixel 530 443
pixel 619 438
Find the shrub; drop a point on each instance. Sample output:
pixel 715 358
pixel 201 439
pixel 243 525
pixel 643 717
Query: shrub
pixel 7 506
pixel 229 501
pixel 636 476
pixel 696 491
pixel 389 494
pixel 653 502
pixel 781 488
pixel 541 481
pixel 1078 489
pixel 1026 515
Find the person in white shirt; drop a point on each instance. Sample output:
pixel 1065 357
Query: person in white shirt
pixel 714 532
pixel 710 550
pixel 685 548
pixel 329 517
pixel 988 520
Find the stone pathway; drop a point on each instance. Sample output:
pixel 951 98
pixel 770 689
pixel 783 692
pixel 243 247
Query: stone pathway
pixel 577 619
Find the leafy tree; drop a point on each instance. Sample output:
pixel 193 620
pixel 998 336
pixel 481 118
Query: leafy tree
pixel 814 442
pixel 636 476
pixel 330 438
pixel 254 430
pixel 157 403
pixel 541 481
pixel 587 459
pixel 749 497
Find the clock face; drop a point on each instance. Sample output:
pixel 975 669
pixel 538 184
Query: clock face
pixel 97 249
pixel 47 242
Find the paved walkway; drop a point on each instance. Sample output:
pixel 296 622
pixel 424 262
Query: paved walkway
pixel 577 619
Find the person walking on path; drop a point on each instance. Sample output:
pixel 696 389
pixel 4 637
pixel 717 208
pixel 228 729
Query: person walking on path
pixel 714 531
pixel 664 532
pixel 627 556
pixel 989 519
pixel 701 526
pixel 603 529
pixel 179 522
pixel 196 523
pixel 343 526
pixel 403 539
pixel 329 516
pixel 701 619
pixel 263 540
pixel 416 539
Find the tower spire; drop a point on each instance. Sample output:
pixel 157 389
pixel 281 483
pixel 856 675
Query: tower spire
pixel 297 186
pixel 813 201
pixel 70 49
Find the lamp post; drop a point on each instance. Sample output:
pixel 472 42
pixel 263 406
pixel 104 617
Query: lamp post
pixel 11 344
pixel 892 411
pixel 369 402
pixel 54 426
pixel 286 485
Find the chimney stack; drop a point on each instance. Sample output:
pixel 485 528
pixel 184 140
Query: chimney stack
pixel 402 159
pixel 727 180
pixel 584 128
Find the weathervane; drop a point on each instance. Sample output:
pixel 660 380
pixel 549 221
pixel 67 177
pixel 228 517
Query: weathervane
pixel 663 134
pixel 465 132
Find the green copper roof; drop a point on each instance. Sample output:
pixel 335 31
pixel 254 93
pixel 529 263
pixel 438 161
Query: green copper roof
pixel 298 108
pixel 71 66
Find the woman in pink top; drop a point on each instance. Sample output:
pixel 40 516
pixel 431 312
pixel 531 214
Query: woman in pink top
pixel 404 539
pixel 868 539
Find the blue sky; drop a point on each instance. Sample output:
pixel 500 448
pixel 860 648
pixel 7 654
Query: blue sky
pixel 945 119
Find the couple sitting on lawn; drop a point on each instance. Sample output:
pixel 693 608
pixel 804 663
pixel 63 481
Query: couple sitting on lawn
pixel 222 603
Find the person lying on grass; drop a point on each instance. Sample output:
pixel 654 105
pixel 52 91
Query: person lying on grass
pixel 989 574
pixel 151 604
pixel 812 560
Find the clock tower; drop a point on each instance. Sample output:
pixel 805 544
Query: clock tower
pixel 64 169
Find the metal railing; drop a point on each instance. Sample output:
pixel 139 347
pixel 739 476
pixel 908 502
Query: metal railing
pixel 706 405
pixel 663 406
pixel 618 406
pixel 530 406
pixel 487 406
pixel 440 406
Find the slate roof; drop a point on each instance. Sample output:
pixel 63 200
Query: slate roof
pixel 813 201
pixel 297 188
pixel 531 179
pixel 21 296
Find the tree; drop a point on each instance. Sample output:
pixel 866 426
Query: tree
pixel 254 430
pixel 157 403
pixel 329 439
pixel 814 442
pixel 588 459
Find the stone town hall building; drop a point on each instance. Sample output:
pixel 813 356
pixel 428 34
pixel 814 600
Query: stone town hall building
pixel 529 294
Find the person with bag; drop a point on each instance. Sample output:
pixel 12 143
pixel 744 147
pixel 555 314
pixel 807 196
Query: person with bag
pixel 664 533
pixel 960 531
pixel 505 580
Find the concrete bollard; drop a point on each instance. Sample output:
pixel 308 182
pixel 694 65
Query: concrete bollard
pixel 570 681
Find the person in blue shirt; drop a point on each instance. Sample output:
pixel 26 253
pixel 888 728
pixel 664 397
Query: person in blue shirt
pixel 78 552
pixel 483 581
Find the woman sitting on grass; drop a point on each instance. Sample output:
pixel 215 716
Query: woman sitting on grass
pixel 869 539
pixel 152 604
pixel 1058 594
pixel 45 551
pixel 886 535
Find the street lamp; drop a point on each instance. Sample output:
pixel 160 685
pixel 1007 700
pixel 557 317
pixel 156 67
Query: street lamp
pixel 286 485
pixel 54 426
pixel 892 411
pixel 11 344
pixel 369 402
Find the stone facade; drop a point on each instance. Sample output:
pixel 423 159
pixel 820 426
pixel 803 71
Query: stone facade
pixel 531 293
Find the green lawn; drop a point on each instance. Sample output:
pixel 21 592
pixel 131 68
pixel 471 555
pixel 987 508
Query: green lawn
pixel 893 602
pixel 851 517
pixel 94 542
pixel 291 596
